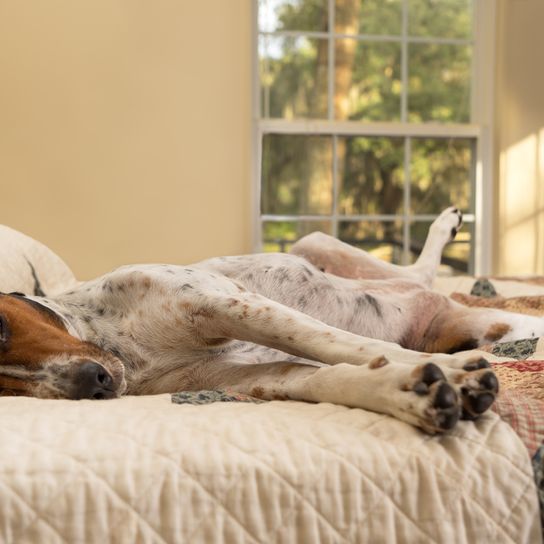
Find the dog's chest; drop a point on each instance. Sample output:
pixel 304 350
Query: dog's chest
pixel 284 278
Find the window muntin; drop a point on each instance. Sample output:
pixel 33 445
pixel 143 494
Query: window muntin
pixel 353 64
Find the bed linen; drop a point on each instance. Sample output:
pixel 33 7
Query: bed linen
pixel 142 469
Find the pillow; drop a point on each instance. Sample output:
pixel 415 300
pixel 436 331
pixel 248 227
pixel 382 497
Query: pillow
pixel 30 267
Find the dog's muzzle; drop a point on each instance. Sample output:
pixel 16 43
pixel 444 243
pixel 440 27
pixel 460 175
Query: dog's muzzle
pixel 93 381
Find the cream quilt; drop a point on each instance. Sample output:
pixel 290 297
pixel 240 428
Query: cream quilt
pixel 141 469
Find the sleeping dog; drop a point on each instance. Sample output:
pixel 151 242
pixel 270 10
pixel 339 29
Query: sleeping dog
pixel 325 323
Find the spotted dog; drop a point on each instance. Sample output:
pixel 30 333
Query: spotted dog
pixel 325 323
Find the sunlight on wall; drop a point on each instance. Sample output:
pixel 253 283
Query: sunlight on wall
pixel 521 215
pixel 540 187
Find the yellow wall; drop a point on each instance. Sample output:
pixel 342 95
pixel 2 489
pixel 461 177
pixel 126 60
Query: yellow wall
pixel 125 128
pixel 519 223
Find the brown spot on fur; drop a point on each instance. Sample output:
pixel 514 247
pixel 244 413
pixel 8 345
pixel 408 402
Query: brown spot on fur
pixel 445 338
pixel 460 378
pixel 378 362
pixel 290 338
pixel 214 341
pixel 280 397
pixel 257 392
pixel 361 349
pixel 207 313
pixel 497 331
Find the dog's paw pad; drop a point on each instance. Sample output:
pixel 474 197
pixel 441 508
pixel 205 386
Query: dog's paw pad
pixel 477 364
pixel 440 411
pixel 424 377
pixel 444 411
pixel 478 393
pixel 459 224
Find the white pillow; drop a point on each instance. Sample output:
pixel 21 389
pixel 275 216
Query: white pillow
pixel 30 267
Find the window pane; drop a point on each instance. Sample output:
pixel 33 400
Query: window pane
pixel 297 174
pixel 309 15
pixel 367 80
pixel 281 235
pixel 294 77
pixel 439 82
pixel 368 17
pixel 370 175
pixel 441 173
pixel 457 255
pixel 440 18
pixel 381 238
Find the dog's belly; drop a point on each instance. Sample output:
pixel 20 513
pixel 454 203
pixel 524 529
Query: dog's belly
pixel 343 303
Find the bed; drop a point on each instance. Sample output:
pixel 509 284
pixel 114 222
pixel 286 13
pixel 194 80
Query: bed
pixel 220 467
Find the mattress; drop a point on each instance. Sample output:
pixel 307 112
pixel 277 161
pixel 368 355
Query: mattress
pixel 141 469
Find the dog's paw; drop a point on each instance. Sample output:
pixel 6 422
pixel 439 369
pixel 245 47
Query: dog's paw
pixel 478 390
pixel 474 382
pixel 437 408
pixel 448 224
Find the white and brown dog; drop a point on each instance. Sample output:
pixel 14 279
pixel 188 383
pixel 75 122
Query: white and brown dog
pixel 327 322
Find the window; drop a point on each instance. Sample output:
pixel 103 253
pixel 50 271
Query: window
pixel 371 117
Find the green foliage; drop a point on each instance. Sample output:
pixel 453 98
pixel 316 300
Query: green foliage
pixel 439 82
pixel 297 175
pixel 290 77
pixel 440 18
pixel 303 15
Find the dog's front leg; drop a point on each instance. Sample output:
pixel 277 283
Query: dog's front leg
pixel 419 397
pixel 257 319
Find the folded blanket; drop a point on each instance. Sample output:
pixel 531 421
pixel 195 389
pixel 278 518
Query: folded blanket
pixel 533 305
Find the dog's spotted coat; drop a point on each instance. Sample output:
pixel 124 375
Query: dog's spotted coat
pixel 321 324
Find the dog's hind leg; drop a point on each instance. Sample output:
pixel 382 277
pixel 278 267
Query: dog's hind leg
pixel 442 231
pixel 335 257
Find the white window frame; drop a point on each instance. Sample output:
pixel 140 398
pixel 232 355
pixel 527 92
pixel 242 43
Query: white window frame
pixel 480 128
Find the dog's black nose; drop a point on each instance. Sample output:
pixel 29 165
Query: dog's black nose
pixel 92 381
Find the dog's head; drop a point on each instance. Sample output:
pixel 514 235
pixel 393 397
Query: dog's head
pixel 39 358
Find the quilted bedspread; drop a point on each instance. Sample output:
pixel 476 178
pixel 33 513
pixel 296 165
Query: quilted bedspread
pixel 141 469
